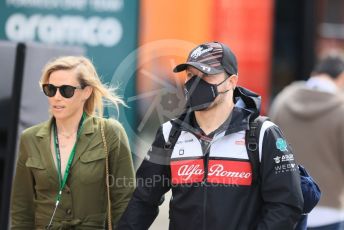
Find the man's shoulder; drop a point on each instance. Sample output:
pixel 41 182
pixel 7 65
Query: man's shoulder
pixel 292 88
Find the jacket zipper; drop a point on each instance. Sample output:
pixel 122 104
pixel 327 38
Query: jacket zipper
pixel 206 152
pixel 205 149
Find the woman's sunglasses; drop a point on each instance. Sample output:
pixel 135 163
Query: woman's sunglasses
pixel 67 91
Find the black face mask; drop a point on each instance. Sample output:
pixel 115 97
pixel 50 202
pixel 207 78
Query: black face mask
pixel 199 94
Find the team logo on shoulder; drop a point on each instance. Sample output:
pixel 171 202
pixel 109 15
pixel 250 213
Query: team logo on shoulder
pixel 277 159
pixel 281 144
pixel 284 158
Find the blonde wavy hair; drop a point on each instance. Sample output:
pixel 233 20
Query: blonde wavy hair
pixel 87 76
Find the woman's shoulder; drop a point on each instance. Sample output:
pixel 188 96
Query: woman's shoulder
pixel 112 125
pixel 40 129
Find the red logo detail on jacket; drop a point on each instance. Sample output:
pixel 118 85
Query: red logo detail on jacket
pixel 219 172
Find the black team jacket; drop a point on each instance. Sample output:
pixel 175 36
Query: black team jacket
pixel 211 176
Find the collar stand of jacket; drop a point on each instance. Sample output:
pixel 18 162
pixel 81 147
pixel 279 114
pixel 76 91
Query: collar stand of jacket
pixel 251 101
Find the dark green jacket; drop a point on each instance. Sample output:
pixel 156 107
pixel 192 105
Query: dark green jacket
pixel 84 201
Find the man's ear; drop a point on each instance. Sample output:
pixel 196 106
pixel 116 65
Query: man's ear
pixel 233 79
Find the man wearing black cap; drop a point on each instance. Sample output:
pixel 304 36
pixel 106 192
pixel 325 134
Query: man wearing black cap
pixel 202 157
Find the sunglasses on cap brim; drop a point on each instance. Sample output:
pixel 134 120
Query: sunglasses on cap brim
pixel 66 91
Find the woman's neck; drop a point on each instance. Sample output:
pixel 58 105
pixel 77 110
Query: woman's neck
pixel 69 125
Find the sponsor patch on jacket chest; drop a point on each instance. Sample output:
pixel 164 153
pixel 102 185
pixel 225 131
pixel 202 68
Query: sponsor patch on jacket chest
pixel 219 172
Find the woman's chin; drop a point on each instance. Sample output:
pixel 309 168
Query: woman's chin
pixel 59 115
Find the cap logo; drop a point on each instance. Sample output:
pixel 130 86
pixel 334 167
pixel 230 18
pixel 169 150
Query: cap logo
pixel 199 51
pixel 205 68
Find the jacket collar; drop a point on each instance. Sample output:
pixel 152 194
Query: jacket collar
pixel 45 130
pixel 44 142
pixel 239 121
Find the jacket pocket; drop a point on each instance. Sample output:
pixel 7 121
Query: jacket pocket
pixel 39 173
pixel 92 166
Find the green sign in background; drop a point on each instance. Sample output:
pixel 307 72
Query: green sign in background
pixel 107 29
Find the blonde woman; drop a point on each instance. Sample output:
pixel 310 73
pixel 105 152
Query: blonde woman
pixel 60 179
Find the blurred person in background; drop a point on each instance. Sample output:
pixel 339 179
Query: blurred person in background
pixel 60 179
pixel 207 166
pixel 311 114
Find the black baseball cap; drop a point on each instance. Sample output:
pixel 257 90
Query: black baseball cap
pixel 211 58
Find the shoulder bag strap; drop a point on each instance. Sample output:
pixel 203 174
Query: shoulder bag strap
pixel 252 146
pixel 109 222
